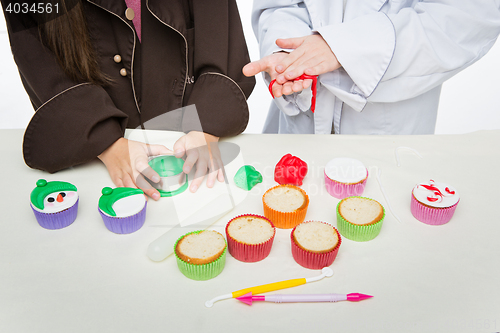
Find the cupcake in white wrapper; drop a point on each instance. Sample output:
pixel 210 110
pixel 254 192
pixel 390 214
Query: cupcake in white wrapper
pixel 123 209
pixel 55 204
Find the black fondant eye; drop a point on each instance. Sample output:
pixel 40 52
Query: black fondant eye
pixel 51 199
pixel 62 194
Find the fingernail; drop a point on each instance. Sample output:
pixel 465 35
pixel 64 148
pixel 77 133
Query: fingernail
pixel 178 151
pixel 156 196
pixel 155 179
pixel 194 188
pixel 279 68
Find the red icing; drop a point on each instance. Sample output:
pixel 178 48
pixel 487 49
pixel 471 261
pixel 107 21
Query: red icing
pixel 438 194
pixel 290 170
pixel 313 87
pixel 448 190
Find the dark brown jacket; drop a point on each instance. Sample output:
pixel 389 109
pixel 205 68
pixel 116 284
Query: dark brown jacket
pixel 184 59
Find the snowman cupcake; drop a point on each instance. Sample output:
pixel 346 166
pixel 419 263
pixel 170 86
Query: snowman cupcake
pixel 55 203
pixel 123 209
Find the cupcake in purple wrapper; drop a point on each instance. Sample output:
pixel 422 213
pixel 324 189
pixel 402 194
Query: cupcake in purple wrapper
pixel 123 209
pixel 434 203
pixel 345 177
pixel 55 203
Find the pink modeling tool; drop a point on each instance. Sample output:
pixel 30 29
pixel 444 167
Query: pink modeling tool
pixel 288 298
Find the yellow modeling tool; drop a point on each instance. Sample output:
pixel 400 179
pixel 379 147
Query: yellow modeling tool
pixel 325 272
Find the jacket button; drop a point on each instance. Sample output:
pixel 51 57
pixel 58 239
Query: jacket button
pixel 123 72
pixel 117 58
pixel 129 14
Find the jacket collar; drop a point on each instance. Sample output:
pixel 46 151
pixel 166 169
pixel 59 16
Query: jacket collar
pixel 116 7
pixel 171 15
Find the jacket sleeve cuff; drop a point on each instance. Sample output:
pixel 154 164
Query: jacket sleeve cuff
pixel 353 43
pixel 72 128
pixel 221 106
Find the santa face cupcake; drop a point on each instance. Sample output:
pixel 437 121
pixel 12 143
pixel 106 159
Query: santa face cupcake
pixel 359 219
pixel 434 203
pixel 123 209
pixel 285 205
pixel 315 244
pixel 55 203
pixel 345 177
pixel 250 237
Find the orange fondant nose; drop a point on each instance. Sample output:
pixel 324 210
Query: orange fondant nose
pixel 59 198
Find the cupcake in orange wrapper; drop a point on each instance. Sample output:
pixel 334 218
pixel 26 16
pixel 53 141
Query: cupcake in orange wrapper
pixel 315 244
pixel 250 237
pixel 285 205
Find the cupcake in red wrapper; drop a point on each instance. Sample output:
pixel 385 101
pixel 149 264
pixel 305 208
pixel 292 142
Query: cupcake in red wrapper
pixel 315 244
pixel 250 237
pixel 285 205
pixel 434 203
pixel 345 177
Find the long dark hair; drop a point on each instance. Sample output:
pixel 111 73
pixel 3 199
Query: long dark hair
pixel 68 37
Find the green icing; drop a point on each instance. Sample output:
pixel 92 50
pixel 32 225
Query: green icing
pixel 44 188
pixel 247 177
pixel 167 166
pixel 110 196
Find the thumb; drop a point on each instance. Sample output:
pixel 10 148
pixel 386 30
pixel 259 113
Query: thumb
pixel 290 43
pixel 180 147
pixel 159 150
pixel 255 67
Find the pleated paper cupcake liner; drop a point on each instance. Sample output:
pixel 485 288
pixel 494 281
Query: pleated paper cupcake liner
pixel 286 220
pixel 431 215
pixel 249 252
pixel 125 225
pixel 341 190
pixel 359 233
pixel 53 221
pixel 313 260
pixel 200 272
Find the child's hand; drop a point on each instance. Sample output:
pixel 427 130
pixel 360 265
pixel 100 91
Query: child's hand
pixel 200 149
pixel 268 65
pixel 127 164
pixel 311 56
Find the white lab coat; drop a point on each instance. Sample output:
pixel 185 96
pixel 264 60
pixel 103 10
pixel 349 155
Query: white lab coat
pixel 395 54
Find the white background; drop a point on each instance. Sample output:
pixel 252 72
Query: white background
pixel 469 101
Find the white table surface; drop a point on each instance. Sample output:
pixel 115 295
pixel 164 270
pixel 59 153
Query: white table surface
pixel 84 278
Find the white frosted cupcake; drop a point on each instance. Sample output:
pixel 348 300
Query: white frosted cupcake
pixel 250 237
pixel 315 244
pixel 55 203
pixel 123 209
pixel 285 205
pixel 434 203
pixel 345 177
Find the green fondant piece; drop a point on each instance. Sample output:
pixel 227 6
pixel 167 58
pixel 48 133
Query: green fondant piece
pixel 44 188
pixel 167 166
pixel 110 196
pixel 247 177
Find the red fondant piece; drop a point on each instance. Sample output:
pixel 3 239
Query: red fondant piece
pixel 302 77
pixel 290 170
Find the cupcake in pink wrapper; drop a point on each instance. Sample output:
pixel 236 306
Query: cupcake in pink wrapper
pixel 55 204
pixel 345 177
pixel 123 209
pixel 315 244
pixel 434 203
pixel 250 237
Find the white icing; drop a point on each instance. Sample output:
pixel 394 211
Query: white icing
pixel 129 206
pixel 346 170
pixel 445 200
pixel 58 204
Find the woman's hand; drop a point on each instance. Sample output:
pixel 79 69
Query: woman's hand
pixel 268 64
pixel 200 149
pixel 311 55
pixel 127 164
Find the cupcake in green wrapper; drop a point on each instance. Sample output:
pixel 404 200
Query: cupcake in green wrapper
pixel 359 219
pixel 201 255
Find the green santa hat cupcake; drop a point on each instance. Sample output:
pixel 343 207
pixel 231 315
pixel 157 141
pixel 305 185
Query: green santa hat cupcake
pixel 55 203
pixel 123 209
